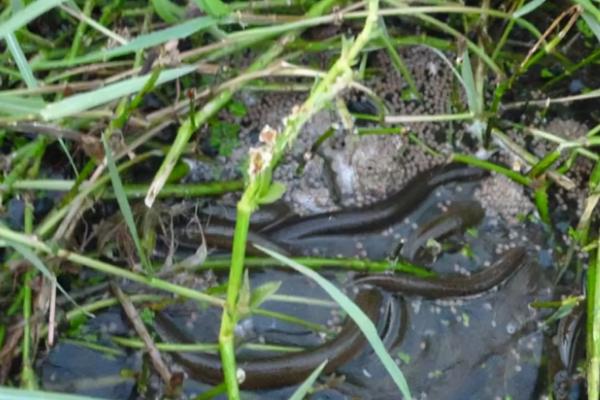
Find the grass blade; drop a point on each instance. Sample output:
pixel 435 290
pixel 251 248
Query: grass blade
pixel 17 106
pixel 7 393
pixel 592 23
pixel 124 204
pixel 168 11
pixel 140 42
pixel 34 260
pixel 303 389
pixel 354 312
pixel 469 84
pixel 527 8
pixel 82 102
pixel 20 60
pixel 26 15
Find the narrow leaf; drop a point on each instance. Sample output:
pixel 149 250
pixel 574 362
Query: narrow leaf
pixel 123 203
pixel 469 83
pixel 16 105
pixel 263 292
pixel 354 312
pixel 140 42
pixel 85 101
pixel 20 60
pixel 527 8
pixel 214 8
pixel 274 193
pixel 303 389
pixel 168 11
pixel 38 264
pixel 7 393
pixel 592 23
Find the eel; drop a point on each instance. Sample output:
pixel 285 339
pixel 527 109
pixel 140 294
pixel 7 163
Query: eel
pixel 290 369
pixel 454 285
pixel 219 233
pixel 458 217
pixel 371 217
pixel 280 370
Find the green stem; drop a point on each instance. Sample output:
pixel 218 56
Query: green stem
pixel 337 78
pixel 27 375
pixel 318 263
pixel 476 162
pixel 593 327
pixel 34 243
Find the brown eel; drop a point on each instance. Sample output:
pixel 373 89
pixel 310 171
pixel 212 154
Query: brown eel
pixel 457 217
pixel 455 285
pixel 281 370
pixel 374 216
pixel 289 369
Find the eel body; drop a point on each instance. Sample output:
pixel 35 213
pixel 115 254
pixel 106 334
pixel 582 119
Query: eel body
pixel 289 369
pixel 374 216
pixel 458 217
pixel 281 370
pixel 454 285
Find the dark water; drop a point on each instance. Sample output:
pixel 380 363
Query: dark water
pixel 485 347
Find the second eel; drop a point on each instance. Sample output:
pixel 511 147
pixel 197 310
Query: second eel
pixel 289 369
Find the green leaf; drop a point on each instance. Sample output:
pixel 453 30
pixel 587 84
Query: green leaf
pixel 303 389
pixel 123 203
pixel 16 105
pixel 140 42
pixel 357 315
pixel 214 8
pixel 592 23
pixel 34 260
pixel 527 8
pixel 7 393
pixel 274 193
pixel 469 83
pixel 168 11
pixel 85 101
pixel 21 60
pixel 263 292
pixel 544 164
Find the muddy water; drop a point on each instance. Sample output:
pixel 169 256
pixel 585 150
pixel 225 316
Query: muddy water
pixel 485 347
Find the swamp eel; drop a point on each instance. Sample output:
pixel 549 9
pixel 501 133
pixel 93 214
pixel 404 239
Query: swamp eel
pixel 376 215
pixel 457 217
pixel 280 370
pixel 453 285
pixel 290 369
pixel 219 233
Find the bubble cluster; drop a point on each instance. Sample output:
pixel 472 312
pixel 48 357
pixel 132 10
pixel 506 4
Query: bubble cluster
pixel 503 198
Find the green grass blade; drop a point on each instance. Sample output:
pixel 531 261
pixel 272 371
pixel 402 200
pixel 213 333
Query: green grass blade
pixel 20 60
pixel 30 256
pixel 85 101
pixel 527 8
pixel 141 42
pixel 7 393
pixel 354 312
pixel 26 15
pixel 124 204
pixel 16 105
pixel 593 23
pixel 168 11
pixel 593 326
pixel 303 389
pixel 469 83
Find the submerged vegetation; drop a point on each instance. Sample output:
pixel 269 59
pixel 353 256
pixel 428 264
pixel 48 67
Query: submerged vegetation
pixel 168 151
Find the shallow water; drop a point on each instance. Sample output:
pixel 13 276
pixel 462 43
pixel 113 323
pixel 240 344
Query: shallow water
pixel 486 347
